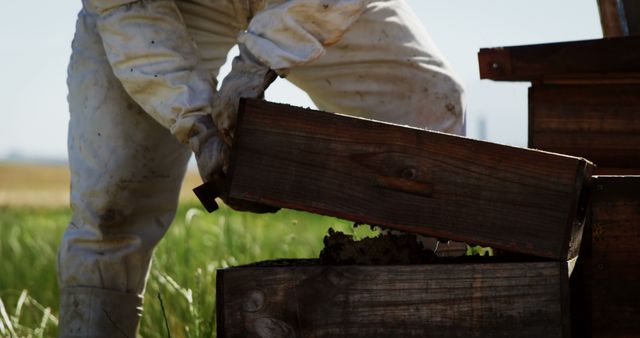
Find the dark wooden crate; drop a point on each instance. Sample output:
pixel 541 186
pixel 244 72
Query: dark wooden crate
pixel 598 122
pixel 606 282
pixel 409 179
pixel 584 98
pixel 441 300
pixel 601 61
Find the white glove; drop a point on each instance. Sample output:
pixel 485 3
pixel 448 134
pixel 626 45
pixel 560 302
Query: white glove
pixel 212 153
pixel 248 79
pixel 278 38
pixel 212 156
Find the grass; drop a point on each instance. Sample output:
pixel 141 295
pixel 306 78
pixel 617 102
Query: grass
pixel 34 213
pixel 182 277
pixel 28 240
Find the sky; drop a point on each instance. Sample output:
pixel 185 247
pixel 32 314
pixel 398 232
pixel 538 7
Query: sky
pixel 36 47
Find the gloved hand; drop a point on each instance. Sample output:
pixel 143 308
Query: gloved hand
pixel 212 157
pixel 248 78
pixel 212 153
pixel 212 136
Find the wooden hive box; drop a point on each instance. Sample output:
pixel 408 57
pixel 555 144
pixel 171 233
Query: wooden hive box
pixel 606 282
pixel 583 100
pixel 409 179
pixel 440 300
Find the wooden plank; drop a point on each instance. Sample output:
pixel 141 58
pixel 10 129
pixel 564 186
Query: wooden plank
pixel 619 17
pixel 613 22
pixel 601 60
pixel 600 123
pixel 611 260
pixel 409 179
pixel 452 300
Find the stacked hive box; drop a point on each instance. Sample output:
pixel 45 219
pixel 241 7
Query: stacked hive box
pixel 585 101
pixel 520 200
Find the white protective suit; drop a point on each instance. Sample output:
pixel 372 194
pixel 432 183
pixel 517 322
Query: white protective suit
pixel 143 74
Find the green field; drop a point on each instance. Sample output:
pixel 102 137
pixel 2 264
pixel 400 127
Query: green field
pixel 33 217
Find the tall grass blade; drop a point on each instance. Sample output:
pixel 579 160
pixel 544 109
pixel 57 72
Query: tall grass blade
pixel 166 280
pixel 7 320
pixel 3 329
pixel 21 301
pixel 31 301
pixel 191 213
pixel 164 315
pixel 43 323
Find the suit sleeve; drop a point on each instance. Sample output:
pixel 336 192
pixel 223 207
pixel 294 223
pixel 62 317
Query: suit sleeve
pixel 156 60
pixel 295 32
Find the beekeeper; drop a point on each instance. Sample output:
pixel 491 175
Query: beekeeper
pixel 142 97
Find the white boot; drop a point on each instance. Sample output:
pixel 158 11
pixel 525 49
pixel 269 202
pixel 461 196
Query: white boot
pixel 98 313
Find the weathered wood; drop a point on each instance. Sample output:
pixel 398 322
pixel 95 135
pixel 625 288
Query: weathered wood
pixel 610 259
pixel 602 60
pixel 598 122
pixel 453 300
pixel 612 18
pixel 619 17
pixel 409 179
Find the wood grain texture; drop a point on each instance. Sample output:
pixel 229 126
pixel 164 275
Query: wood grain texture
pixel 619 17
pixel 599 122
pixel 610 18
pixel 409 179
pixel 601 60
pixel 454 300
pixel 611 260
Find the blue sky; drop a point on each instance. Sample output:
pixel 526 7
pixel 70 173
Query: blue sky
pixel 36 47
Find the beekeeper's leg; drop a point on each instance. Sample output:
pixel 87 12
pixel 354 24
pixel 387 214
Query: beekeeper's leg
pixel 387 68
pixel 126 172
